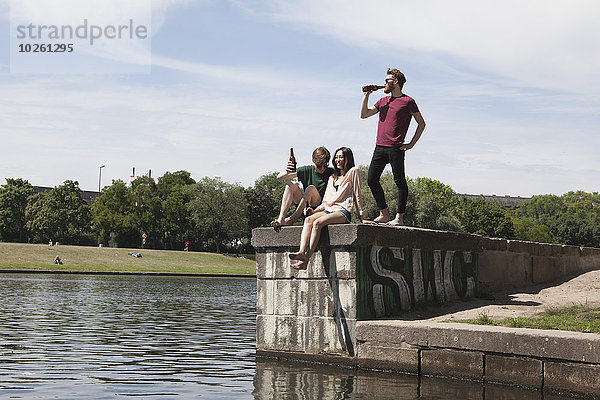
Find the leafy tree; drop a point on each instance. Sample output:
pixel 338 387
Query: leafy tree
pixel 176 224
pixel 169 180
pixel 530 230
pixel 264 200
pixel 219 211
pixel 113 213
pixel 543 208
pixel 146 210
pixel 432 205
pixel 485 218
pixel 13 202
pixel 573 218
pixel 61 214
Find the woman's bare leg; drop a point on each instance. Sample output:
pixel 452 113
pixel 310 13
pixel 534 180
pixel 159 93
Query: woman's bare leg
pixel 314 235
pixel 305 236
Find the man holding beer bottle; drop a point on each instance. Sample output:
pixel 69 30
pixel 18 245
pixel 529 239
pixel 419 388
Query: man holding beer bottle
pixel 314 181
pixel 395 113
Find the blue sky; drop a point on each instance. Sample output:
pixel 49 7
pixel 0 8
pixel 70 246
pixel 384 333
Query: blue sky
pixel 509 90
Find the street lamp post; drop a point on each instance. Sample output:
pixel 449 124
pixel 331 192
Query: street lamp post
pixel 99 187
pixel 100 179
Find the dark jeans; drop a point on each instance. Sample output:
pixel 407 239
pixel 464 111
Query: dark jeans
pixel 381 157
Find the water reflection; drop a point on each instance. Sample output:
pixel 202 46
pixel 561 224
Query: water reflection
pixel 292 380
pixel 107 337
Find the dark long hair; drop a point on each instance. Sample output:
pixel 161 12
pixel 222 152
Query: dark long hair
pixel 348 156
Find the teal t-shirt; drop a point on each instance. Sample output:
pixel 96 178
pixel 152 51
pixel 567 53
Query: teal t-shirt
pixel 308 176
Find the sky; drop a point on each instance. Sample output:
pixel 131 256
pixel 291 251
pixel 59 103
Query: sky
pixel 223 88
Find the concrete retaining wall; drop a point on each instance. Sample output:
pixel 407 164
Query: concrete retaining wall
pixel 554 360
pixel 362 272
pixel 508 263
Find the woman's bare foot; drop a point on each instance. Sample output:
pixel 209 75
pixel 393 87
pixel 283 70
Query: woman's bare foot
pixel 300 256
pixel 299 265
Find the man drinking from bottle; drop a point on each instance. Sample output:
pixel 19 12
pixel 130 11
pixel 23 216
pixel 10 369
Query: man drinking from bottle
pixel 395 113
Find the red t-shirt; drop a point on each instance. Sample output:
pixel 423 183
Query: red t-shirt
pixel 394 118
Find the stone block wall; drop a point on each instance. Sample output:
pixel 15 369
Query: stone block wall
pixel 360 272
pixel 363 273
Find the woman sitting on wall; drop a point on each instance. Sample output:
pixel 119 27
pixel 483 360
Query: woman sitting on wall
pixel 342 194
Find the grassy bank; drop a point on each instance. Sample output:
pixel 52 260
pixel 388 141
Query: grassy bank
pixel 18 256
pixel 576 318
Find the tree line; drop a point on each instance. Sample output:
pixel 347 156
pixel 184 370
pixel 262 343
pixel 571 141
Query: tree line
pixel 213 215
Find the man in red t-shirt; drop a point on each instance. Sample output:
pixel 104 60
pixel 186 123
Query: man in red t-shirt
pixel 395 113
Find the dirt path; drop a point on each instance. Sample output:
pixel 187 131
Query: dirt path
pixel 583 289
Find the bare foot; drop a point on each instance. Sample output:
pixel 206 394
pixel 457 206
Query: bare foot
pixel 395 222
pixel 300 256
pixel 276 223
pixel 287 222
pixel 299 265
pixel 382 219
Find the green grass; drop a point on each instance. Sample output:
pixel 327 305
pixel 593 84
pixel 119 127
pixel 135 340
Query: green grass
pixel 577 318
pixel 20 256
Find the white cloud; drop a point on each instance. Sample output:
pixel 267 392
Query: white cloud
pixel 487 131
pixel 55 125
pixel 536 43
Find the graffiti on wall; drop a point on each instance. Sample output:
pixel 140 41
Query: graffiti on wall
pixel 392 280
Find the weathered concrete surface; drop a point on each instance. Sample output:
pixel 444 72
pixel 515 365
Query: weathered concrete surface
pixel 553 360
pixel 546 344
pixel 328 313
pixel 359 272
pixel 404 358
pixel 565 377
pixel 361 234
pixel 521 371
pixel 463 364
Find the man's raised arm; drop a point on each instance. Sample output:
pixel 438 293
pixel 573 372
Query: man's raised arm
pixel 288 173
pixel 365 110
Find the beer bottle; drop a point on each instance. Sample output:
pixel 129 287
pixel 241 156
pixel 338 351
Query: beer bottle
pixel 372 88
pixel 292 158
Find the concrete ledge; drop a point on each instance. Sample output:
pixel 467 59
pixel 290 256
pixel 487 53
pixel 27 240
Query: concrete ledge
pixel 547 344
pixel 517 370
pixel 454 363
pixel 390 358
pixel 572 378
pixel 368 235
pixel 562 361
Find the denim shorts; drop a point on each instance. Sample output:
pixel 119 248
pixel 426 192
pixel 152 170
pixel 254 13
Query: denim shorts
pixel 345 213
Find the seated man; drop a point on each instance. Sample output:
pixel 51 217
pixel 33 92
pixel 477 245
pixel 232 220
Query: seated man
pixel 314 181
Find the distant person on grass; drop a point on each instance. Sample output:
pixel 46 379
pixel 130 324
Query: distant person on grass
pixel 314 180
pixel 342 195
pixel 395 113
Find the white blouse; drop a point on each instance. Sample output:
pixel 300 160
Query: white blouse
pixel 343 192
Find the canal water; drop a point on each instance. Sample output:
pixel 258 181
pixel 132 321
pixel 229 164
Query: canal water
pixel 124 337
